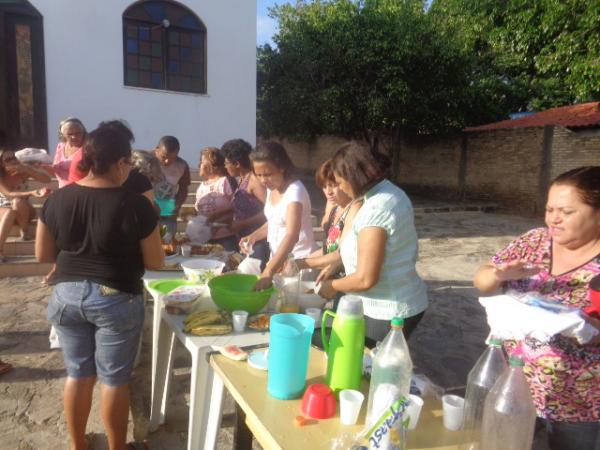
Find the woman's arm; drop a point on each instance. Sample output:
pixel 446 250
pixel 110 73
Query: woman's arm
pixel 257 235
pixel 256 219
pixel 37 174
pixel 9 193
pixel 490 277
pixel 152 251
pixel 370 257
pixel 45 245
pixel 318 260
pixel 293 222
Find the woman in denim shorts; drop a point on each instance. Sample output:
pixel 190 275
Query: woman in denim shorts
pixel 101 238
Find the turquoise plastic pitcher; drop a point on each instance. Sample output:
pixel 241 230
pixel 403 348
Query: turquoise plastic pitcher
pixel 289 345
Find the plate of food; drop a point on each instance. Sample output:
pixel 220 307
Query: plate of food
pixel 259 322
pixel 206 249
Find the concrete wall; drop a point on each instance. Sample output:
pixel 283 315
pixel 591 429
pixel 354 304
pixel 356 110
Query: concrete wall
pixel 84 75
pixel 510 168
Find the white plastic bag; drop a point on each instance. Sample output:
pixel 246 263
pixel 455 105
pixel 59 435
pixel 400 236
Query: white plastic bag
pixel 197 230
pixel 33 155
pixel 250 266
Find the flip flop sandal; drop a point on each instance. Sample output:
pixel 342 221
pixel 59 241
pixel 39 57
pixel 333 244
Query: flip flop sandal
pixel 5 367
pixel 138 446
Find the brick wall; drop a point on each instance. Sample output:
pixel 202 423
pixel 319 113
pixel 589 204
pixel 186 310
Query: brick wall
pixel 505 167
pixel 574 149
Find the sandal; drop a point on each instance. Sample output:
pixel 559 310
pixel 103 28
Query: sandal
pixel 5 367
pixel 138 446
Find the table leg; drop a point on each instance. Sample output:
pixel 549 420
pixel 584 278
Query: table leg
pixel 205 388
pixel 161 360
pixel 156 320
pixel 242 439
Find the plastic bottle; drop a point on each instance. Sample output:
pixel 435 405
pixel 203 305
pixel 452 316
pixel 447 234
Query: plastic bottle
pixel 509 413
pixel 482 377
pixel 390 386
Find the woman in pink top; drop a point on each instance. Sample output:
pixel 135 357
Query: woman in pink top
pixel 214 196
pixel 71 134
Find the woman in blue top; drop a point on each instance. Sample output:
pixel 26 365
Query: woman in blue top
pixel 379 253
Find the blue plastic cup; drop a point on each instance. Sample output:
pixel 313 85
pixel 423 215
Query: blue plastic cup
pixel 289 346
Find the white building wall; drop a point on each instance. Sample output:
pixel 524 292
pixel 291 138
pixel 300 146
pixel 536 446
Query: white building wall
pixel 83 43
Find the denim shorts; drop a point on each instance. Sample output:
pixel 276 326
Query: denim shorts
pixel 98 328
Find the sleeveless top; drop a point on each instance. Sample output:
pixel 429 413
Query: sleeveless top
pixel 245 205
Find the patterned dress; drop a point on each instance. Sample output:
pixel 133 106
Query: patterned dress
pixel 564 377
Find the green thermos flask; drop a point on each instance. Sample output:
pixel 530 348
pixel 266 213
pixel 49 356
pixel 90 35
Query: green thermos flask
pixel 345 346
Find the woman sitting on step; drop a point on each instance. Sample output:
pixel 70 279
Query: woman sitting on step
pixel 14 207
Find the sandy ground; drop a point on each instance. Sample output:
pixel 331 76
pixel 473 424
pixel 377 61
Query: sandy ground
pixel 444 346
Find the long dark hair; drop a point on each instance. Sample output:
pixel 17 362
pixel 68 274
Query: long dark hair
pixel 106 145
pixel 587 182
pixel 274 153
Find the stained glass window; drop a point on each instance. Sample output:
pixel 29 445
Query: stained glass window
pixel 164 47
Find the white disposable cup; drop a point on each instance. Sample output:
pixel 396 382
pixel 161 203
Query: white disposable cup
pixel 239 320
pixel 350 403
pixel 315 313
pixel 453 407
pixel 413 410
pixel 186 250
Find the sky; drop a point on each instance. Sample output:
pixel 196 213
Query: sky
pixel 265 26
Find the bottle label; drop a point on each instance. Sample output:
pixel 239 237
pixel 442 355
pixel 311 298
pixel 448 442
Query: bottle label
pixel 388 425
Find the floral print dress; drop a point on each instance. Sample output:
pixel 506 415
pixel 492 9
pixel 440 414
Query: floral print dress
pixel 563 376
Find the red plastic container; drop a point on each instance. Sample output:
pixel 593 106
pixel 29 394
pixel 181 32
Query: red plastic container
pixel 318 402
pixel 594 296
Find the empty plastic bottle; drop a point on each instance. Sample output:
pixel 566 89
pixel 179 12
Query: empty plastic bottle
pixel 390 386
pixel 482 377
pixel 509 413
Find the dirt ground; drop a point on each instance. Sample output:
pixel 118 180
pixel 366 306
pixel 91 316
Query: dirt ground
pixel 444 347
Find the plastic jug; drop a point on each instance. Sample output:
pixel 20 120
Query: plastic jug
pixel 289 346
pixel 346 344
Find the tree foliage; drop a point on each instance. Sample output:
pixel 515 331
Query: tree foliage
pixel 362 69
pixel 528 54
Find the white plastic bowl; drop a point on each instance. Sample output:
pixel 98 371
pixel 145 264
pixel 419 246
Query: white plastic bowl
pixel 193 268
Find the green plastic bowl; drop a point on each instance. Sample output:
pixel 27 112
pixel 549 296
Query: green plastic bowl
pixel 166 286
pixel 234 291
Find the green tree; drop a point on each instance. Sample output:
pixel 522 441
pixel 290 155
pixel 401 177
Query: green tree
pixel 363 69
pixel 528 54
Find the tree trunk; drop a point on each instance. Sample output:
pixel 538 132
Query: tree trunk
pixel 396 148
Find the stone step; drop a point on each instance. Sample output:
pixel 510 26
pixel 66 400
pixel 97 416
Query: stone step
pixel 23 266
pixel 16 247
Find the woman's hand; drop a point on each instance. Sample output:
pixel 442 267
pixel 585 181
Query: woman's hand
pixel 42 192
pixel 265 282
pixel 246 243
pixel 327 273
pixel 326 290
pixel 596 324
pixel 515 270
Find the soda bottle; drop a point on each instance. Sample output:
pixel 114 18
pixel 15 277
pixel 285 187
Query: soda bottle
pixel 509 413
pixel 482 377
pixel 389 389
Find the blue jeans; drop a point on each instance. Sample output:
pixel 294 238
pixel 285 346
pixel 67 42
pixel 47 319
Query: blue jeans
pixel 99 330
pixel 573 435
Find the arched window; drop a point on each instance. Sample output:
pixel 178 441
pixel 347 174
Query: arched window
pixel 164 47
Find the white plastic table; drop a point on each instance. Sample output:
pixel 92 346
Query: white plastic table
pixel 206 389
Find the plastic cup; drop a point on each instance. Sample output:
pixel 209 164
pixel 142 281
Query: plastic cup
pixel 413 411
pixel 239 320
pixel 315 313
pixel 350 403
pixel 453 407
pixel 318 402
pixel 186 250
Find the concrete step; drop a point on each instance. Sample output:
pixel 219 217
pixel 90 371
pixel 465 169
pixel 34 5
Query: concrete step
pixel 23 266
pixel 16 247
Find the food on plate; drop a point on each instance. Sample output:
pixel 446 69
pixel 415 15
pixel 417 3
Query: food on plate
pixel 211 330
pixel 233 352
pixel 170 249
pixel 207 323
pixel 259 322
pixel 205 249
